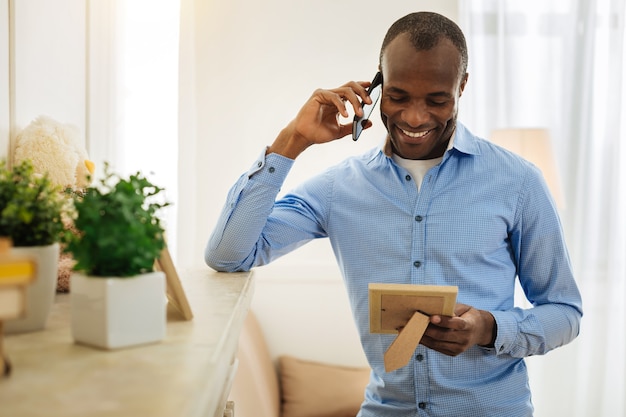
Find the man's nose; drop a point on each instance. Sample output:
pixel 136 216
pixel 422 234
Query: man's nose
pixel 415 114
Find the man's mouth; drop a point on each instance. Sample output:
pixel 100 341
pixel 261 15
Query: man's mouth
pixel 415 134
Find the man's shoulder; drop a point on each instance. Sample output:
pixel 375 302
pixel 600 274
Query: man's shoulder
pixel 364 159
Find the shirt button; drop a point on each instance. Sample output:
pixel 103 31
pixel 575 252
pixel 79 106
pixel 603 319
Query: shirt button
pixel 422 405
pixel 418 218
pixel 419 357
pixel 408 178
pixel 258 164
pixel 271 170
pixel 417 264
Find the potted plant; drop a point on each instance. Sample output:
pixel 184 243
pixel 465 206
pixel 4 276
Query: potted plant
pixel 117 299
pixel 31 210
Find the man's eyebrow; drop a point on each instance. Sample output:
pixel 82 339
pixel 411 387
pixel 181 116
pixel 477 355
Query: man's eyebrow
pixel 398 90
pixel 440 94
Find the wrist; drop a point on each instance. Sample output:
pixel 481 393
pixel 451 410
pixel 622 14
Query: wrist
pixel 491 330
pixel 288 143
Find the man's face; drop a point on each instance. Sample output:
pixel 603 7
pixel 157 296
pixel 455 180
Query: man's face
pixel 420 96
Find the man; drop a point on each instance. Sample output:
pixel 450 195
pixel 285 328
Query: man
pixel 436 205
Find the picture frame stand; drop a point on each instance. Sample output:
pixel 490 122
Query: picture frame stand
pixel 405 309
pixel 176 296
pixel 401 349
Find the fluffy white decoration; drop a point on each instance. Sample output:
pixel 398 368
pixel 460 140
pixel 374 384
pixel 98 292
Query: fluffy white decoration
pixel 55 148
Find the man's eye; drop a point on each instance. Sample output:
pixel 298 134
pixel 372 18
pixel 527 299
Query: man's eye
pixel 395 99
pixel 437 103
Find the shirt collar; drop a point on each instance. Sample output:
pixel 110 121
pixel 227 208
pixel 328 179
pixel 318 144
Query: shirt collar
pixel 465 141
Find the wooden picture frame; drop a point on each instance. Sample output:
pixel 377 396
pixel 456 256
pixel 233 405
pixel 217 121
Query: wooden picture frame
pixel 393 305
pixel 175 292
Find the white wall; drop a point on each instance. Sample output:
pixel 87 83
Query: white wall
pixel 4 78
pixel 46 73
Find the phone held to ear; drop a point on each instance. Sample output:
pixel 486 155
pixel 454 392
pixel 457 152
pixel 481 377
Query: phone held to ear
pixel 373 91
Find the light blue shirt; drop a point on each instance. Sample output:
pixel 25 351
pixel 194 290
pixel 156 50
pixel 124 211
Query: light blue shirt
pixel 482 217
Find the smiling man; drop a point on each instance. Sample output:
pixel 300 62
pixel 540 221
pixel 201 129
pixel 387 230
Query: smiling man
pixel 424 77
pixel 435 205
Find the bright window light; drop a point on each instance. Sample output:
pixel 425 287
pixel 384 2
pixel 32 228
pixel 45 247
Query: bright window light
pixel 148 106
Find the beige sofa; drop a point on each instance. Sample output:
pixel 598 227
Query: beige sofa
pixel 289 386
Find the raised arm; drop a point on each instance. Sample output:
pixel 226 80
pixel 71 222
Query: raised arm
pixel 252 230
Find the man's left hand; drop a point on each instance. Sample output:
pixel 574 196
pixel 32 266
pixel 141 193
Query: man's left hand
pixel 454 335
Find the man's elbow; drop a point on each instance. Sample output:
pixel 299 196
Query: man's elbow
pixel 220 264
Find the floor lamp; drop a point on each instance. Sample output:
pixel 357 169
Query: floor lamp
pixel 534 145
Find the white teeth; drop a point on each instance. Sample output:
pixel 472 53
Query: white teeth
pixel 415 134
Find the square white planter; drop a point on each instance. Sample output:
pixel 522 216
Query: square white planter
pixel 111 313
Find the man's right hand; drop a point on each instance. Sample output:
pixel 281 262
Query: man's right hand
pixel 318 120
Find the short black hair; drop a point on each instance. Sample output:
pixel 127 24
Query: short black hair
pixel 425 30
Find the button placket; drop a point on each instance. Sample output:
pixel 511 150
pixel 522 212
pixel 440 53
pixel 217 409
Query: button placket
pixel 418 244
pixel 421 374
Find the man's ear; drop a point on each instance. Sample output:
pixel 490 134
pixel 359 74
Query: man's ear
pixel 463 83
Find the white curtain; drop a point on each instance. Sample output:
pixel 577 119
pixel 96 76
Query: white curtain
pixel 559 64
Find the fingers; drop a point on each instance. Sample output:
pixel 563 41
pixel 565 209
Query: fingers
pixel 459 311
pixel 453 323
pixel 318 121
pixel 454 335
pixel 445 347
pixel 352 92
pixel 451 340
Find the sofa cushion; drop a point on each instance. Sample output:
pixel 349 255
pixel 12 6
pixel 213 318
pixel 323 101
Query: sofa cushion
pixel 255 389
pixel 313 389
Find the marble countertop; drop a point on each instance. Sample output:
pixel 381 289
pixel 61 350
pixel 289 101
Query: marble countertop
pixel 183 375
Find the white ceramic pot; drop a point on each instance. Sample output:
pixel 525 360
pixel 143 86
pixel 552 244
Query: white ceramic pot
pixel 40 293
pixel 112 313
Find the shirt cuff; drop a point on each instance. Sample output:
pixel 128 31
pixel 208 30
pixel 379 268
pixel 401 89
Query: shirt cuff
pixel 271 169
pixel 507 331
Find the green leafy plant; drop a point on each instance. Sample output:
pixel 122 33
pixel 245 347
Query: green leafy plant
pixel 118 231
pixel 31 206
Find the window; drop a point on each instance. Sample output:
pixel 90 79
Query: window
pixel 133 92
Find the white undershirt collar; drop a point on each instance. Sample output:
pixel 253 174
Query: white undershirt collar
pixel 419 167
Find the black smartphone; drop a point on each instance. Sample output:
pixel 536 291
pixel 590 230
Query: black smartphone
pixel 373 91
